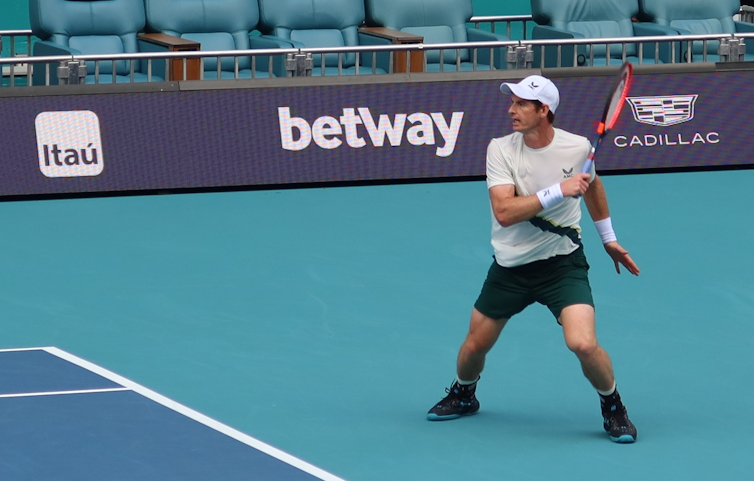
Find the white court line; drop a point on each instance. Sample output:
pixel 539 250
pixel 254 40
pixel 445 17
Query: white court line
pixel 190 413
pixel 20 349
pixel 62 393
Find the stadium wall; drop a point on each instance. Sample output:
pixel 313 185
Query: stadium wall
pixel 206 135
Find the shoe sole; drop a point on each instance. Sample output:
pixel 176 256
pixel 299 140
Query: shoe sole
pixel 449 417
pixel 623 439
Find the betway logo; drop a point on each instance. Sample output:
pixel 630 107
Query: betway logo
pixel 296 133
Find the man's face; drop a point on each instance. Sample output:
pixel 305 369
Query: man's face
pixel 525 114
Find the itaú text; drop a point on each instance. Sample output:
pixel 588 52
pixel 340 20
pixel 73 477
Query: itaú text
pixel 650 140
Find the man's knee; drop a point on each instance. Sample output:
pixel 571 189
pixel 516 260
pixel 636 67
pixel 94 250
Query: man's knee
pixel 483 333
pixel 477 346
pixel 582 346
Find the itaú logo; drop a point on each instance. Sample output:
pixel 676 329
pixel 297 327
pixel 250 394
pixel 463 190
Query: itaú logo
pixel 69 144
pixel 664 111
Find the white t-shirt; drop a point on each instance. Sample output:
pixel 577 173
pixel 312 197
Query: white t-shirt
pixel 554 231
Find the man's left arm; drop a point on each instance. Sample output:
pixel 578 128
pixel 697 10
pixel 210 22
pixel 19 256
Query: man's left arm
pixel 596 202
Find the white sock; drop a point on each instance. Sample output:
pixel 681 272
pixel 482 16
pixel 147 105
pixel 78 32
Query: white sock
pixel 466 383
pixel 610 392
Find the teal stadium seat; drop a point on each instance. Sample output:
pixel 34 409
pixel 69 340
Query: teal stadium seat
pixel 438 22
pixel 699 17
pixel 89 27
pixel 316 24
pixel 217 25
pixel 575 19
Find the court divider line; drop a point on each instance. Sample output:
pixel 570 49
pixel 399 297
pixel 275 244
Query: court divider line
pixel 196 416
pixel 62 393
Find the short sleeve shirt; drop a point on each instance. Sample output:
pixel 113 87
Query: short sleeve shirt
pixel 554 231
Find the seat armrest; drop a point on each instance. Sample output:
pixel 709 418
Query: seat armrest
pixel 553 58
pixel 483 54
pixel 648 29
pixel 170 43
pixel 542 32
pixel 476 35
pixel 744 27
pixel 394 36
pixel 278 61
pixel 665 55
pixel 682 31
pixel 388 36
pixel 161 42
pixel 45 48
pixel 271 41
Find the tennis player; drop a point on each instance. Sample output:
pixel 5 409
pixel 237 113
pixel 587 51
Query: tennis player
pixel 535 188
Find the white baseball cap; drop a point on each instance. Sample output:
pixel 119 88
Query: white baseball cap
pixel 534 87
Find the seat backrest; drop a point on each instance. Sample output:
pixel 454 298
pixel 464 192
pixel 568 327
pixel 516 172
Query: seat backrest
pixel 438 21
pixel 215 24
pixel 315 23
pixel 90 26
pixel 590 18
pixel 698 17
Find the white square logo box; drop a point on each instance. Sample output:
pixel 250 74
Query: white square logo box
pixel 69 144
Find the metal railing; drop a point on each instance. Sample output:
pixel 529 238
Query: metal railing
pixel 393 59
pixel 13 40
pixel 676 47
pixel 522 24
pixel 14 44
pixel 746 14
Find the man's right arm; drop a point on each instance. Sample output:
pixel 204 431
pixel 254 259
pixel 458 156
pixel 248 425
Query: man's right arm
pixel 510 209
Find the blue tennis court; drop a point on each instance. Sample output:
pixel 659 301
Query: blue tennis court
pixel 66 418
pixel 303 334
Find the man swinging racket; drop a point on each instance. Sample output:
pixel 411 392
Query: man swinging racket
pixel 535 184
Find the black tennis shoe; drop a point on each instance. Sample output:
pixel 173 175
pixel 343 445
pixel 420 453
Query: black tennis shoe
pixel 460 401
pixel 617 424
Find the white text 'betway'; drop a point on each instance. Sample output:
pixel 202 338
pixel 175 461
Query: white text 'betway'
pixel 296 133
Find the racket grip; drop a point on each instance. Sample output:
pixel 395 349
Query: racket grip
pixel 586 169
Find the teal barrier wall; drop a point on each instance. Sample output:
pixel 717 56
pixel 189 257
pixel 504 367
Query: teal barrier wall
pixel 14 14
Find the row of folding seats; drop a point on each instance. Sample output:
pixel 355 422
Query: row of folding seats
pixel 71 27
pixel 574 19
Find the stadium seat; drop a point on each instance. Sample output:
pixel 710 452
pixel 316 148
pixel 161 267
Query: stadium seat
pixel 575 19
pixel 699 17
pixel 314 24
pixel 438 22
pixel 81 27
pixel 217 25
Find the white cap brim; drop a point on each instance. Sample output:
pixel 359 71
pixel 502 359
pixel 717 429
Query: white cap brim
pixel 518 91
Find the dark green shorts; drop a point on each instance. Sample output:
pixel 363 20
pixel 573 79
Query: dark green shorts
pixel 556 282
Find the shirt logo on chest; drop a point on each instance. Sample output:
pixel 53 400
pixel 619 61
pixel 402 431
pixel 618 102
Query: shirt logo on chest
pixel 567 174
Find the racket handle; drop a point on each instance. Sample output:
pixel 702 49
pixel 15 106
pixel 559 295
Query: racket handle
pixel 587 168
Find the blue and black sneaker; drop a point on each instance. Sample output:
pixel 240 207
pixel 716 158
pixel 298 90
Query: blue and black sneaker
pixel 460 401
pixel 617 424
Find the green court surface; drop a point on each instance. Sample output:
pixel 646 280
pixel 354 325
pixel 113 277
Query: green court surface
pixel 326 322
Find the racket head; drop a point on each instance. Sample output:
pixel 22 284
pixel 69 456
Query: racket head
pixel 616 98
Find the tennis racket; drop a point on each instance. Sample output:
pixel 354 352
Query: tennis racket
pixel 613 106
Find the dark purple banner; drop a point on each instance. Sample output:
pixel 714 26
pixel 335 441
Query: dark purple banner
pixel 340 133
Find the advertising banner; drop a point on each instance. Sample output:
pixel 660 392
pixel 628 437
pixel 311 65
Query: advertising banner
pixel 344 133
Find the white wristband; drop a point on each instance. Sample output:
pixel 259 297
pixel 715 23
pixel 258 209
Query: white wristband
pixel 550 196
pixel 605 230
